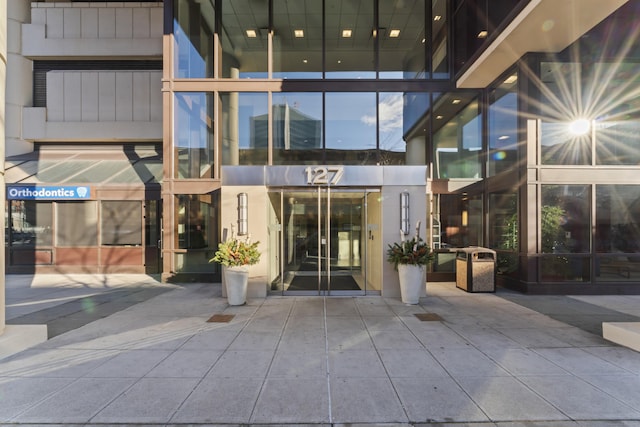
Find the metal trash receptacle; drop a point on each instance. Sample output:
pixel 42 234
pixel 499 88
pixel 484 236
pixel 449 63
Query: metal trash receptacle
pixel 476 269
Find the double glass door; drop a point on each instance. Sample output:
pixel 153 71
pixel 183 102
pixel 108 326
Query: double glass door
pixel 320 241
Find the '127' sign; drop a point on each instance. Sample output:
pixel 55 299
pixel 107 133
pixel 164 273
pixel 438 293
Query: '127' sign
pixel 323 175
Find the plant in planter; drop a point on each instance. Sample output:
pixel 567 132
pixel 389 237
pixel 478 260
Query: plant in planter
pixel 235 255
pixel 410 258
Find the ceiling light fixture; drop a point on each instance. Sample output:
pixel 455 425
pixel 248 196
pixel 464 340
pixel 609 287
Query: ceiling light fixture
pixel 511 79
pixel 394 33
pixel 439 117
pixel 455 101
pixel 437 17
pixel 346 33
pixel 252 34
pixel 483 34
pixel 298 33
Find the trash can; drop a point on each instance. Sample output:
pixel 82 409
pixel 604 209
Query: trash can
pixel 476 269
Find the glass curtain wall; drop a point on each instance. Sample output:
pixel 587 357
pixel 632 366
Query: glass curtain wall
pixel 193 135
pixel 503 126
pixel 297 39
pixel 245 128
pixel 244 37
pixel 297 128
pixel 193 27
pixel 457 141
pixel 617 233
pixel 565 231
pixel 347 39
pixel 350 128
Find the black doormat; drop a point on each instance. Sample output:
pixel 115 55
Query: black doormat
pixel 310 283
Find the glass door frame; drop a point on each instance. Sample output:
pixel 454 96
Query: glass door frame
pixel 324 215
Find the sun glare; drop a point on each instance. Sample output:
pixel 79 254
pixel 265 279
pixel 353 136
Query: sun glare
pixel 580 127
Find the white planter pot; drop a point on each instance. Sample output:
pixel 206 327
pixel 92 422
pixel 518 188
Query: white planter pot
pixel 413 279
pixel 236 281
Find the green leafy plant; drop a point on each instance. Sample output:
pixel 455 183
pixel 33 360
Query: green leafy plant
pixel 414 251
pixel 237 252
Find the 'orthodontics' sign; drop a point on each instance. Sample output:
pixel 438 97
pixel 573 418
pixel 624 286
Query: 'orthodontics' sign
pixel 48 192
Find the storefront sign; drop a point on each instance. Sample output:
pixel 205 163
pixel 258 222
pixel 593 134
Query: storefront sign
pixel 48 192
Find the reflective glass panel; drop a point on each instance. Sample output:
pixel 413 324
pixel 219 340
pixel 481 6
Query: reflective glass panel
pixel 391 109
pixel 195 231
pixel 349 39
pixel 503 126
pixel 565 219
pixel 350 128
pixel 401 39
pixel 617 219
pixel 76 224
pixel 121 222
pixel 31 223
pixel 193 139
pixel 245 128
pixel 245 38
pixel 193 23
pixel 618 123
pixel 439 40
pixel 297 39
pixel 565 137
pixel 457 139
pixel 297 128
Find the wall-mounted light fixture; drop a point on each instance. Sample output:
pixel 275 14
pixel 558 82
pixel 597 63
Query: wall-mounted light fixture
pixel 404 213
pixel 243 214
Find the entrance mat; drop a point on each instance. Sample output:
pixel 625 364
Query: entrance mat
pixel 310 283
pixel 429 317
pixel 221 318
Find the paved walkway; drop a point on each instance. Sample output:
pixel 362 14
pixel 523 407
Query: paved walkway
pixel 172 357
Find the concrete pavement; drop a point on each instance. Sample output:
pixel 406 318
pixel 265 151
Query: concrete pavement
pixel 162 354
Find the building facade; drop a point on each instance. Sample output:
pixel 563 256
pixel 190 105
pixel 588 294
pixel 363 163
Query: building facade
pixel 141 134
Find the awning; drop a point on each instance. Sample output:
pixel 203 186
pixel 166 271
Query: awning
pixel 86 165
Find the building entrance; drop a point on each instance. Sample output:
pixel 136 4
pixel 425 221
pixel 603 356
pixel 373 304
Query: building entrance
pixel 321 240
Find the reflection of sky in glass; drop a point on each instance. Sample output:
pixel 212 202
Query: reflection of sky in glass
pixel 346 127
pixel 390 114
pixel 188 61
pixel 503 122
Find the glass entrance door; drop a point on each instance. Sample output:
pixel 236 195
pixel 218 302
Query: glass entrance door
pixel 322 242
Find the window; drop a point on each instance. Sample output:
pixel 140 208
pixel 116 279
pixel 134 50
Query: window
pixel 121 223
pixel 193 135
pixel 76 224
pixel 31 223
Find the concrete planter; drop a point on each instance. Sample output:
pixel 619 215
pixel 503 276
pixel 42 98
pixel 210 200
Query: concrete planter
pixel 413 279
pixel 236 281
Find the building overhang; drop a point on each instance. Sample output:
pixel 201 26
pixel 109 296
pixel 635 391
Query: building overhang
pixel 542 26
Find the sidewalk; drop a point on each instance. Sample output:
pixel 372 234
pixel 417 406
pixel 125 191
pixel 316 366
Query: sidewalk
pixel 168 358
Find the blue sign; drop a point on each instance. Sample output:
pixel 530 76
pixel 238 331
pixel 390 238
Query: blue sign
pixel 48 192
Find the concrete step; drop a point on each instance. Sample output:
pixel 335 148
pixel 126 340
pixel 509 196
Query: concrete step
pixel 624 333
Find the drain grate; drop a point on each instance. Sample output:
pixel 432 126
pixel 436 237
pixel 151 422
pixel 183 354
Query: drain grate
pixel 221 318
pixel 429 317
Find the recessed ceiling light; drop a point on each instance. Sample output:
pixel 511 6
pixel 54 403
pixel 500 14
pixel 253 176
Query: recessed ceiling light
pixel 503 137
pixel 305 61
pixel 439 117
pixel 437 17
pixel 298 33
pixel 251 34
pixel 456 101
pixel 339 61
pixel 511 79
pixel 394 33
pixel 483 34
pixel 424 40
pixel 346 33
